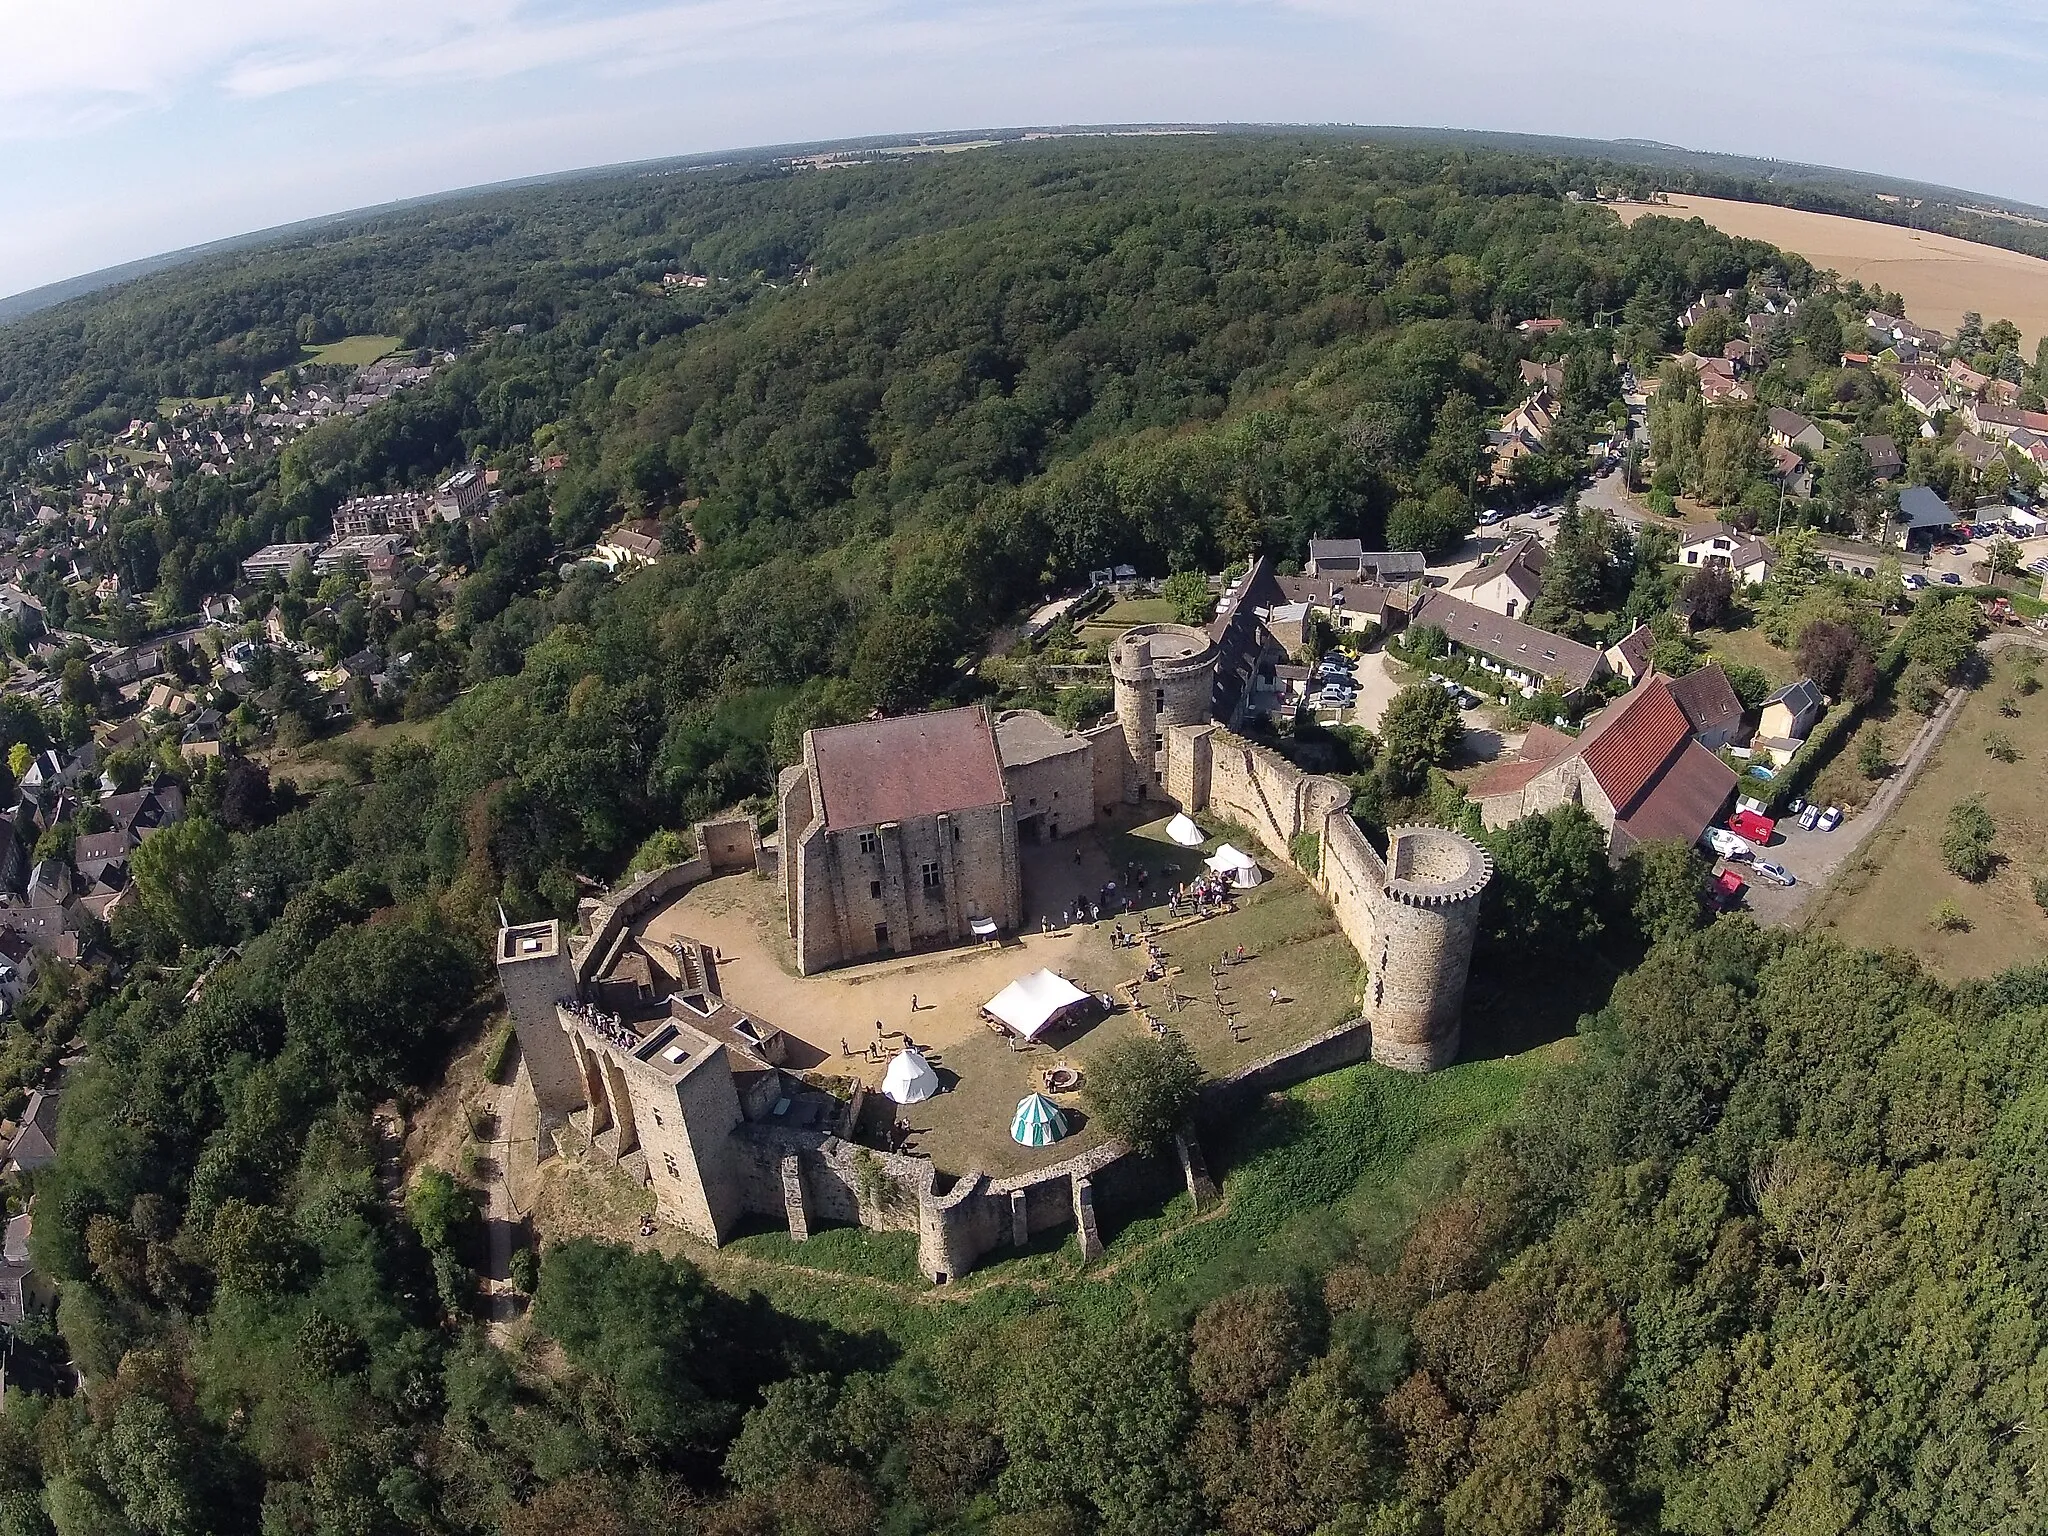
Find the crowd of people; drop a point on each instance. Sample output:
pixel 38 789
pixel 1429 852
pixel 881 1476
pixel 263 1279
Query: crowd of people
pixel 608 1027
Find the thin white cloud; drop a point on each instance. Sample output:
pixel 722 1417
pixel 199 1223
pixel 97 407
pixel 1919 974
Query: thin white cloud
pixel 155 126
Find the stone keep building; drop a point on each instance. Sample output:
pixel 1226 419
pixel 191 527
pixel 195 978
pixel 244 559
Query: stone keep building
pixel 897 835
pixel 1165 674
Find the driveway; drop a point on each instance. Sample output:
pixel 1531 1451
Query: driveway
pixel 1376 690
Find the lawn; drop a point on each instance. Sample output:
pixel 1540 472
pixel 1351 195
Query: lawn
pixel 326 757
pixel 354 351
pixel 1751 647
pixel 1123 615
pixel 1886 897
pixel 171 404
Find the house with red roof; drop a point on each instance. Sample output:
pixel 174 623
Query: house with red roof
pixel 1638 769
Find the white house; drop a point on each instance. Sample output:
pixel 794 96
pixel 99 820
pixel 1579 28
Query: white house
pixel 1745 555
pixel 1508 584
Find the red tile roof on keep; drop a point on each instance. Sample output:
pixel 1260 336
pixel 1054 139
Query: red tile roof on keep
pixel 1634 737
pixel 913 765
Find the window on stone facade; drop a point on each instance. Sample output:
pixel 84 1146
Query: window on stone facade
pixel 669 1161
pixel 875 889
pixel 657 1118
pixel 930 872
pixel 870 842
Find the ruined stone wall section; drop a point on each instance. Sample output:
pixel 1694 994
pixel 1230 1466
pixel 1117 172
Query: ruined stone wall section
pixel 729 844
pixel 1110 759
pixel 1055 796
pixel 625 906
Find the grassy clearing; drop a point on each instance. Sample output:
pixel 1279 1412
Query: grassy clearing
pixel 349 352
pixel 326 759
pixel 890 1256
pixel 171 404
pixel 354 351
pixel 1886 897
pixel 1333 1170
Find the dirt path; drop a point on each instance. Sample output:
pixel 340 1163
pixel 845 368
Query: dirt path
pixel 933 999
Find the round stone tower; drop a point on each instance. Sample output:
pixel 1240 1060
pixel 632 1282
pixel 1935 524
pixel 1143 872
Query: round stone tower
pixel 1164 675
pixel 1428 919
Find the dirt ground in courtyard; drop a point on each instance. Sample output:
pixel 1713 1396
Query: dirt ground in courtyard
pixel 1290 940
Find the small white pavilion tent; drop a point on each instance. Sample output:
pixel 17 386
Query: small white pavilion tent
pixel 910 1078
pixel 1242 868
pixel 1183 830
pixel 1031 1004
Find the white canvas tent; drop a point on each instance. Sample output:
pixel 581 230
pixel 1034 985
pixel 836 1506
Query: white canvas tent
pixel 910 1078
pixel 1242 868
pixel 1183 831
pixel 1034 1003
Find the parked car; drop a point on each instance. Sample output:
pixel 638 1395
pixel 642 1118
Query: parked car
pixel 1537 514
pixel 1830 818
pixel 1726 845
pixel 1758 828
pixel 1491 516
pixel 1913 581
pixel 1725 891
pixel 1951 579
pixel 1809 817
pixel 1777 874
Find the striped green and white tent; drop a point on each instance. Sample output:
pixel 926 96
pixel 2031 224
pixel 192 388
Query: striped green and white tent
pixel 1038 1122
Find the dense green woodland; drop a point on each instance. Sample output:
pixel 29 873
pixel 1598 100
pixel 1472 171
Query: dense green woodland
pixel 1764 1256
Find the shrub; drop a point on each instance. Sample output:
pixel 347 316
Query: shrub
pixel 1188 591
pixel 1948 917
pixel 2000 746
pixel 1966 844
pixel 1143 1090
pixel 525 1273
pixel 662 848
pixel 1307 850
pixel 1660 501
pixel 1871 759
pixel 498 1054
pixel 2009 707
pixel 2041 892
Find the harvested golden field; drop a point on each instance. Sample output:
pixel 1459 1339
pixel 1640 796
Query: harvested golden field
pixel 1938 276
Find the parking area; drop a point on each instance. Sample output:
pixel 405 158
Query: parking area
pixel 1811 858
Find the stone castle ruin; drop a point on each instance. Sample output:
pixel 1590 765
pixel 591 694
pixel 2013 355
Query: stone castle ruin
pixel 905 833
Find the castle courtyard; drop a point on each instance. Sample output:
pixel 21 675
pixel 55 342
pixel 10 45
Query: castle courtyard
pixel 1290 939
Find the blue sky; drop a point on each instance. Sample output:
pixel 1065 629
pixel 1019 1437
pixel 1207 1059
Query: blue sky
pixel 129 127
